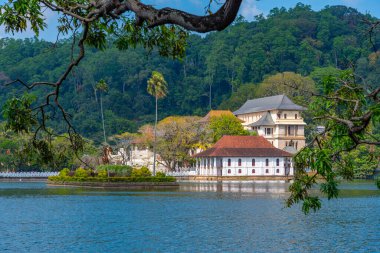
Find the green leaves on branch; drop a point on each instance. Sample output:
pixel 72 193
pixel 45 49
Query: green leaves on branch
pixel 312 203
pixel 17 15
pixel 77 142
pixel 300 193
pixel 170 40
pixel 96 37
pixel 19 115
pixel 44 151
pixel 343 150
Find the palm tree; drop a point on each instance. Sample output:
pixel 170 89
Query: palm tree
pixel 102 86
pixel 157 87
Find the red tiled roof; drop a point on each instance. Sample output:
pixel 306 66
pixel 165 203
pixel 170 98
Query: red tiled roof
pixel 243 146
pixel 229 141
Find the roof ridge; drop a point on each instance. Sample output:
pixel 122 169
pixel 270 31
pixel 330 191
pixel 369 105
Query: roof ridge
pixel 282 100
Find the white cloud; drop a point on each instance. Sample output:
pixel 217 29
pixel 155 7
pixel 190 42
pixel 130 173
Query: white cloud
pixel 249 9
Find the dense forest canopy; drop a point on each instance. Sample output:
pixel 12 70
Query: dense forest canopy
pixel 216 69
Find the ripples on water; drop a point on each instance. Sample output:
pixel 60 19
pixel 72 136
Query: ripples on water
pixel 199 217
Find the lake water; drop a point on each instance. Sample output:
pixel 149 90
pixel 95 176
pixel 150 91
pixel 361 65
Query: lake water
pixel 199 217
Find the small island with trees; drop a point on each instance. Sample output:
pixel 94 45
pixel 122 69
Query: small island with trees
pixel 113 176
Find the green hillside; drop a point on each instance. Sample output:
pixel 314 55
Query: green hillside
pixel 296 40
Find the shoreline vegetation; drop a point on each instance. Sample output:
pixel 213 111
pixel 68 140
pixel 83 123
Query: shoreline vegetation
pixel 116 184
pixel 113 176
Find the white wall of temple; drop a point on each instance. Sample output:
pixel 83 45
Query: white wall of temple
pixel 141 156
pixel 298 144
pixel 250 117
pixel 290 115
pixel 261 166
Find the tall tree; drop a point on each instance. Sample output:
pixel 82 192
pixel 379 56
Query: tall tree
pixel 226 125
pixel 158 88
pixel 177 137
pixel 102 86
pixel 296 87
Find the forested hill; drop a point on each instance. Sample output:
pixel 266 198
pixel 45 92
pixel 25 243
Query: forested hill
pixel 297 40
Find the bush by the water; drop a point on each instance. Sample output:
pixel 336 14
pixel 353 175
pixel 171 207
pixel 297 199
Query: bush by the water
pixel 142 172
pixel 116 170
pixel 160 174
pixel 113 179
pixel 378 182
pixel 81 173
pixel 102 174
pixel 64 173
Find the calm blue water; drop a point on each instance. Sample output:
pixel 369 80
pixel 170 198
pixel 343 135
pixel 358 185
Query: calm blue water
pixel 200 217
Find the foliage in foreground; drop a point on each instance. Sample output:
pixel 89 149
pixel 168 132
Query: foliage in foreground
pixel 351 116
pixel 21 152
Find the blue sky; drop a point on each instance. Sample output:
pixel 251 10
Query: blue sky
pixel 249 9
pixel 253 7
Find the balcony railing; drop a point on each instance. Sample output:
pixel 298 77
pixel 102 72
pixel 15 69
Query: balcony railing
pixel 282 135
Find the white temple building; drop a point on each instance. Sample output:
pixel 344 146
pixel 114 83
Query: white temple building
pixel 244 156
pixel 277 119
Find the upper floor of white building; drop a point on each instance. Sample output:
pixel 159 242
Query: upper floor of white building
pixel 276 118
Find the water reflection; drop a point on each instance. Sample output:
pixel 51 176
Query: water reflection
pixel 276 187
pixel 186 188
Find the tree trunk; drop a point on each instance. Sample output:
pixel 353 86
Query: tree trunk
pixel 95 93
pixel 155 139
pixel 210 98
pixel 184 69
pixel 101 112
pixel 210 91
